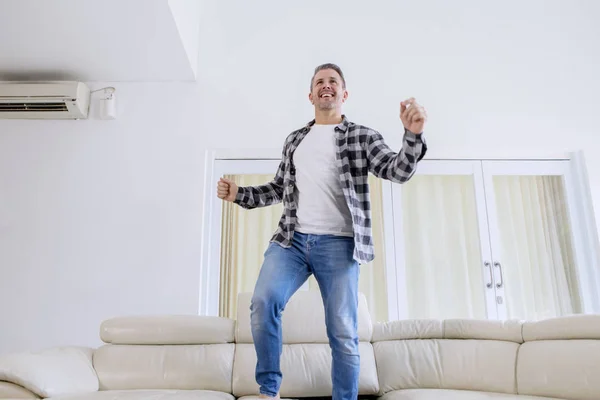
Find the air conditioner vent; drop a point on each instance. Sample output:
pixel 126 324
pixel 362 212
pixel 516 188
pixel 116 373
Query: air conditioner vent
pixel 33 107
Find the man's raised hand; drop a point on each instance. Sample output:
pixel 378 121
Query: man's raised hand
pixel 413 115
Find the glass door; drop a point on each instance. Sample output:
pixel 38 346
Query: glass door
pixel 443 254
pixel 532 236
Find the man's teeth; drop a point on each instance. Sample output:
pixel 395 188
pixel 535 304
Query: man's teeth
pixel 327 95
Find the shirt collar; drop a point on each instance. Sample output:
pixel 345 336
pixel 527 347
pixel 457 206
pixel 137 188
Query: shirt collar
pixel 342 126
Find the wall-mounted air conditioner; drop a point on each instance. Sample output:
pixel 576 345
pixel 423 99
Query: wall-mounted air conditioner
pixel 44 100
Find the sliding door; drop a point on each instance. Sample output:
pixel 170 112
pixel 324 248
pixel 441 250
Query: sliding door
pixel 531 232
pixel 443 253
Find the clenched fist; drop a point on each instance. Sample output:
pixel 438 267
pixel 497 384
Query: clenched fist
pixel 226 189
pixel 413 115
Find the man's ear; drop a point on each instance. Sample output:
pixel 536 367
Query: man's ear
pixel 310 98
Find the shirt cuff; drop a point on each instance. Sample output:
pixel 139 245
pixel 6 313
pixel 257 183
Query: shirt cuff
pixel 239 197
pixel 413 136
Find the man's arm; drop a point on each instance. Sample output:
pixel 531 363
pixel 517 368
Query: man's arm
pixel 250 197
pixel 397 167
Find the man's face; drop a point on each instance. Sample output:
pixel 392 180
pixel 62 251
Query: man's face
pixel 327 90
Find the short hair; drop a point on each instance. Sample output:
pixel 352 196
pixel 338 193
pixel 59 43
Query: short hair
pixel 328 66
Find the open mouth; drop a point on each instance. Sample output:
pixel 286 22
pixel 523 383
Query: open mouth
pixel 326 95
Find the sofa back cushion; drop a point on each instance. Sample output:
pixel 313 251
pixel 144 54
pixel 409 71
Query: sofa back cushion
pixel 168 329
pixel 166 352
pixel 560 358
pixel 206 367
pixel 450 354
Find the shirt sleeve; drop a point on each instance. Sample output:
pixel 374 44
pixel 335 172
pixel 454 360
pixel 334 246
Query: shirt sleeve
pixel 397 167
pixel 270 193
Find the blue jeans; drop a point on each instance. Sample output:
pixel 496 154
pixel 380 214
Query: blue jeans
pixel 283 272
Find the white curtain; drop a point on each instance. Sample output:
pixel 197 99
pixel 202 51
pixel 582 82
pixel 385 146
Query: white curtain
pixel 245 237
pixel 539 271
pixel 445 277
pixel 443 266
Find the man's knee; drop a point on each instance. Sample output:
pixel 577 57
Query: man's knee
pixel 266 303
pixel 343 335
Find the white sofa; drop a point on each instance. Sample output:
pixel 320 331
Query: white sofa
pixel 194 357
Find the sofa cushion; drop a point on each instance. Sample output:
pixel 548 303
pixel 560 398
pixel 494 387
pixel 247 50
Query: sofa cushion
pixel 169 329
pixel 306 370
pixel 580 326
pixel 408 329
pixel 560 368
pixel 510 331
pixel 445 394
pixel 199 367
pixel 51 372
pixel 303 320
pixel 485 365
pixel 11 391
pixel 152 395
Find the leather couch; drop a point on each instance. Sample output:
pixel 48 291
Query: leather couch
pixel 211 358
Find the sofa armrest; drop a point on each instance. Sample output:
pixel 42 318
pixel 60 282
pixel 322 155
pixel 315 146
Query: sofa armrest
pixel 9 390
pixel 52 372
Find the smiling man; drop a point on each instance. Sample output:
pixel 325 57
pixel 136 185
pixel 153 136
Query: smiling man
pixel 325 229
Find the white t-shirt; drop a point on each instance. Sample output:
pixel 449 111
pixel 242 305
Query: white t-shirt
pixel 322 208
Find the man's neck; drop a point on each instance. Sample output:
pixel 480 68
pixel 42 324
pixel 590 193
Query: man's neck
pixel 329 117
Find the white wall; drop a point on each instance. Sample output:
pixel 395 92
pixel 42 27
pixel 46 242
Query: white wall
pixel 103 218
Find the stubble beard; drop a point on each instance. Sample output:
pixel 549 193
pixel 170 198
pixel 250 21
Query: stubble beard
pixel 327 105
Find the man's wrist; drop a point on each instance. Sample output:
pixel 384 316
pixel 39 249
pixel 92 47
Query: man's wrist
pixel 411 135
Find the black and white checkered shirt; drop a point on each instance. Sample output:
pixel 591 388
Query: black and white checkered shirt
pixel 360 150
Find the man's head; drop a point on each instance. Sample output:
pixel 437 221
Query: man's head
pixel 328 87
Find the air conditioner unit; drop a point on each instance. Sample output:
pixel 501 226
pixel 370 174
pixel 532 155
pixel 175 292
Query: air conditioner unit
pixel 44 100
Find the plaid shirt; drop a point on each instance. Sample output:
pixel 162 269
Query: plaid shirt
pixel 360 150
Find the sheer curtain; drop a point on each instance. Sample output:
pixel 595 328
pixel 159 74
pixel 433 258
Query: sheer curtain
pixel 537 258
pixel 245 235
pixel 443 264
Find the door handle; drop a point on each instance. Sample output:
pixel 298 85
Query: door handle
pixel 488 265
pixel 501 283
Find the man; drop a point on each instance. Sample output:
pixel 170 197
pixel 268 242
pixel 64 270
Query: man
pixel 325 229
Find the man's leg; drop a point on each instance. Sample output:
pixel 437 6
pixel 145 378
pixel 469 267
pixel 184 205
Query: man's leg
pixel 337 274
pixel 283 272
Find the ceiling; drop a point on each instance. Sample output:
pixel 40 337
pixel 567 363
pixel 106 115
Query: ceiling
pixel 108 40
